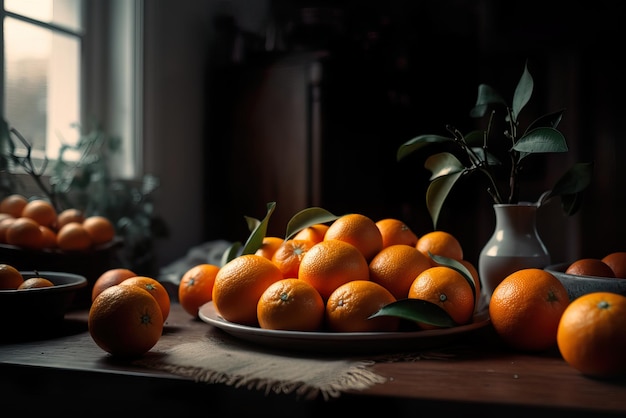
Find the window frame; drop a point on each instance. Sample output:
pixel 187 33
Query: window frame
pixel 111 45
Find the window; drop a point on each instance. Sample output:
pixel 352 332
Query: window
pixel 69 65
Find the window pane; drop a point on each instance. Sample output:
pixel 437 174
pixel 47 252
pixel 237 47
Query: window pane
pixel 42 85
pixel 65 13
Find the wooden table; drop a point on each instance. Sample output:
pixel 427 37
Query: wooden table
pixel 68 374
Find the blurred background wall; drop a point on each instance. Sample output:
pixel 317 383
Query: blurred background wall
pixel 306 102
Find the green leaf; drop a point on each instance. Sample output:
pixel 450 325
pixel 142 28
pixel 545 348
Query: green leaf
pixel 541 140
pixel 417 310
pixel 253 223
pixel 256 237
pixel 420 142
pixel 475 138
pixel 575 180
pixel 486 96
pixel 551 120
pixel 523 92
pixel 443 164
pixel 230 253
pixel 308 217
pixel 486 156
pixel 437 192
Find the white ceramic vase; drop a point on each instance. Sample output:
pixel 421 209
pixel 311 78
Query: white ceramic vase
pixel 514 245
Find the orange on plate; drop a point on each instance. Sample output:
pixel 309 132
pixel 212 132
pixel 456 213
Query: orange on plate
pixel 331 263
pixel 591 335
pixel 196 287
pixel 288 256
pixel 350 305
pixel 394 231
pixel 526 307
pixel 313 233
pixel 269 246
pixel 446 288
pixel 440 243
pixel 358 230
pixel 239 285
pixel 125 321
pixel 155 288
pixel 395 268
pixel 291 304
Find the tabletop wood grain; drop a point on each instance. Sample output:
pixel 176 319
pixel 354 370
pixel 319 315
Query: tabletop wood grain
pixel 477 374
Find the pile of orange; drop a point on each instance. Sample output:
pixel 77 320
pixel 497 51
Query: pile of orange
pixel 335 276
pixel 612 265
pixel 127 313
pixel 36 224
pixel 12 279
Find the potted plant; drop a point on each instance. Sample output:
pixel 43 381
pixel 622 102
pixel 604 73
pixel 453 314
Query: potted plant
pixel 472 153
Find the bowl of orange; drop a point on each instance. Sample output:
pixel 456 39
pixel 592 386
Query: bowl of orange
pixel 32 312
pixel 587 276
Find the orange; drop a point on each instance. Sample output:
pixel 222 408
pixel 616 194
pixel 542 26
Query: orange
pixel 35 282
pixel 13 205
pixel 10 277
pixel 69 215
pixel 331 263
pixel 196 287
pixel 4 225
pixel 100 229
pixel 358 230
pixel 446 288
pixel 395 268
pixel 24 232
pixel 440 243
pixel 155 288
pixel 349 307
pixel 110 278
pixel 291 304
pixel 289 255
pixel 239 285
pixel 49 237
pixel 269 246
pixel 313 233
pixel 74 237
pixel 125 321
pixel 591 337
pixel 617 262
pixel 526 307
pixel 590 267
pixel 394 231
pixel 41 211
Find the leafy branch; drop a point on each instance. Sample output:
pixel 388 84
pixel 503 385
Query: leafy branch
pixel 471 152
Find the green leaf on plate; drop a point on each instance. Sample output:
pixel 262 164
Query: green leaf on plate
pixel 230 253
pixel 417 310
pixel 308 217
pixel 256 237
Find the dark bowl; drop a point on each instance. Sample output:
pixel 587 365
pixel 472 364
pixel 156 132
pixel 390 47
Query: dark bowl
pixel 89 263
pixel 580 285
pixel 29 313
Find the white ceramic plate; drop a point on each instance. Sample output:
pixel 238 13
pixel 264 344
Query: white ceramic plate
pixel 356 342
